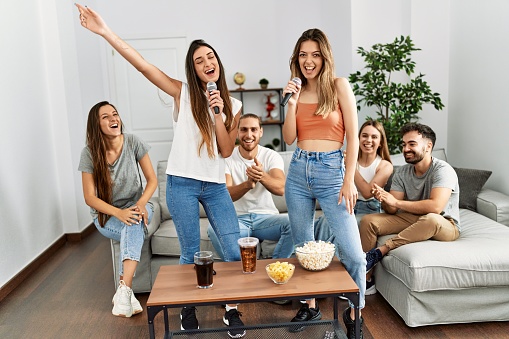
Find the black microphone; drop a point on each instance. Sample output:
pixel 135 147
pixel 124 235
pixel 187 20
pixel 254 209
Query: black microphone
pixel 287 97
pixel 211 85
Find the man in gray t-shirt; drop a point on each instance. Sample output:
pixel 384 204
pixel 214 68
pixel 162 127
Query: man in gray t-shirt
pixel 423 202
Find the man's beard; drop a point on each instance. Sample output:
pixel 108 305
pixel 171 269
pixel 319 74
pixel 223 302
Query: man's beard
pixel 416 159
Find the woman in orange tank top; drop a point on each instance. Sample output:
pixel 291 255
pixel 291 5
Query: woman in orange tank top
pixel 320 113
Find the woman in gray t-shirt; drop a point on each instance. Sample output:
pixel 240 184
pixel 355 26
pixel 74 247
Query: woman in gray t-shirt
pixel 112 188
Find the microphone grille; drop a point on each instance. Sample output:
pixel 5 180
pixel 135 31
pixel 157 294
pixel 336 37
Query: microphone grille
pixel 211 85
pixel 297 81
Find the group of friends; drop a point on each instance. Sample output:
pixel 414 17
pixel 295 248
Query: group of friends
pixel 234 184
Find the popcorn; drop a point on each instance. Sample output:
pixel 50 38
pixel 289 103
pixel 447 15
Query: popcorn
pixel 315 255
pixel 280 272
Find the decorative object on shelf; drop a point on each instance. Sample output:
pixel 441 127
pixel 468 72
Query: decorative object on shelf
pixel 276 142
pixel 270 106
pixel 239 79
pixel 264 83
pixel 396 103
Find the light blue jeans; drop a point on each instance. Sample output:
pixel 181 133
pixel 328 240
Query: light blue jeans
pixel 363 207
pixel 274 227
pixel 130 237
pixel 319 176
pixel 183 196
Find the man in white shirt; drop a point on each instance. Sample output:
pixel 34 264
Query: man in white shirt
pixel 253 173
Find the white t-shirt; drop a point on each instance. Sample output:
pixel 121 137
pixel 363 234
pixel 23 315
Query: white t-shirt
pixel 259 199
pixel 368 173
pixel 184 160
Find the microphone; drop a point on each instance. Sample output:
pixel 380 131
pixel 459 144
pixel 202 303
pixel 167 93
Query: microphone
pixel 287 97
pixel 211 85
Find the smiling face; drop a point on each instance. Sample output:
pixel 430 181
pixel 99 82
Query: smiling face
pixel 369 139
pixel 206 64
pixel 310 59
pixel 249 133
pixel 415 147
pixel 109 121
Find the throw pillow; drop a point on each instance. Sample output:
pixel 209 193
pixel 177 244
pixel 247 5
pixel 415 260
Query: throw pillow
pixel 471 181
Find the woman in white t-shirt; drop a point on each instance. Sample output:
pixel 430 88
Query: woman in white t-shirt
pixel 205 128
pixel 373 166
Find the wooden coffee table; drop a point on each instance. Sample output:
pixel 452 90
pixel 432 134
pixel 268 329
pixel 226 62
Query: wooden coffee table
pixel 175 287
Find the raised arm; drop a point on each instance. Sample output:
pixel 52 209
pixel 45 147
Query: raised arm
pixel 349 109
pixel 92 21
pixel 290 124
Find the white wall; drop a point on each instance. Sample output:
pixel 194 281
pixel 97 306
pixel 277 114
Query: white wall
pixel 53 71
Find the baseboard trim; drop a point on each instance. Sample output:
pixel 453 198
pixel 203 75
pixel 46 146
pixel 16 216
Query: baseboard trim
pixel 43 257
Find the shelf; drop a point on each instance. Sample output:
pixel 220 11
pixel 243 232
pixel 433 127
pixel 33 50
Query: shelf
pixel 254 101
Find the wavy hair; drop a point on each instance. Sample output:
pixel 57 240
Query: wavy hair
pixel 383 149
pixel 97 147
pixel 327 96
pixel 199 102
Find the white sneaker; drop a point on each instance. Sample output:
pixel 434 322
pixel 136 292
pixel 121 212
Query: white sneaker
pixel 122 301
pixel 136 305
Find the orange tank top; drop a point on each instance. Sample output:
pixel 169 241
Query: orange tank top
pixel 315 127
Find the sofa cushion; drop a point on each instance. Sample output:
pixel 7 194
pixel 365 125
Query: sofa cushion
pixel 161 182
pixel 478 258
pixel 165 240
pixel 471 181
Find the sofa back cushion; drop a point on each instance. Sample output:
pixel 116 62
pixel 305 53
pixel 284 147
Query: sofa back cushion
pixel 161 182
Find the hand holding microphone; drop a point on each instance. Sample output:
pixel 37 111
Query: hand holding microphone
pixel 287 97
pixel 211 86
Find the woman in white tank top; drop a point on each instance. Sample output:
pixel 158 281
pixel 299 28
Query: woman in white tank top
pixel 373 166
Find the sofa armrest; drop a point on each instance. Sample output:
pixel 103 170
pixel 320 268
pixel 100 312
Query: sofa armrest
pixel 154 224
pixel 494 205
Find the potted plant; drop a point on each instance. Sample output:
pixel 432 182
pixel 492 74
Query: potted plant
pixel 263 83
pixel 396 103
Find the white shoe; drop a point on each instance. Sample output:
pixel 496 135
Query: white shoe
pixel 122 306
pixel 136 305
pixel 370 287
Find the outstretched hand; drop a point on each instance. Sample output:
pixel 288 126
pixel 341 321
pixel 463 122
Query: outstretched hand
pixel 91 20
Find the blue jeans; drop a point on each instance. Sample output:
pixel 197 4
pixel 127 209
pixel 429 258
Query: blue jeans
pixel 319 176
pixel 274 227
pixel 130 237
pixel 366 207
pixel 183 196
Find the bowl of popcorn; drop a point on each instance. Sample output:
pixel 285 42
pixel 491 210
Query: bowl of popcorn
pixel 315 255
pixel 280 272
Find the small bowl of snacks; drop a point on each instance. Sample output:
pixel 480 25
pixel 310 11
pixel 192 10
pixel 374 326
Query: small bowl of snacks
pixel 315 255
pixel 280 272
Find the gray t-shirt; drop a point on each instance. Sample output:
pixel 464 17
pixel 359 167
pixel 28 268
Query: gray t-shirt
pixel 125 175
pixel 439 174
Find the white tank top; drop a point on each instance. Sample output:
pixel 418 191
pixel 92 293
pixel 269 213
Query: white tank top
pixel 368 173
pixel 184 160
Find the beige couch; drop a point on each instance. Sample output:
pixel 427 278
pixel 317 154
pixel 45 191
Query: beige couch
pixel 161 246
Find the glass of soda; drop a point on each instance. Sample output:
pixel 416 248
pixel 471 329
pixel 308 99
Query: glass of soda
pixel 204 266
pixel 248 253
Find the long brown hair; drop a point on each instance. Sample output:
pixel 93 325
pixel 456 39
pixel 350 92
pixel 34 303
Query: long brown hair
pixel 199 102
pixel 383 149
pixel 327 96
pixel 97 147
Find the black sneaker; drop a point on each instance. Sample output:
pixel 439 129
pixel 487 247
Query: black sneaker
pixel 370 286
pixel 305 313
pixel 232 319
pixel 372 258
pixel 350 325
pixel 188 319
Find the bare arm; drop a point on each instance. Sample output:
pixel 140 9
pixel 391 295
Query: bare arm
pixel 349 109
pixel 238 191
pixel 273 181
pixel 150 176
pixel 290 124
pixel 92 21
pixel 393 201
pixel 225 140
pixel 129 216
pixel 382 174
